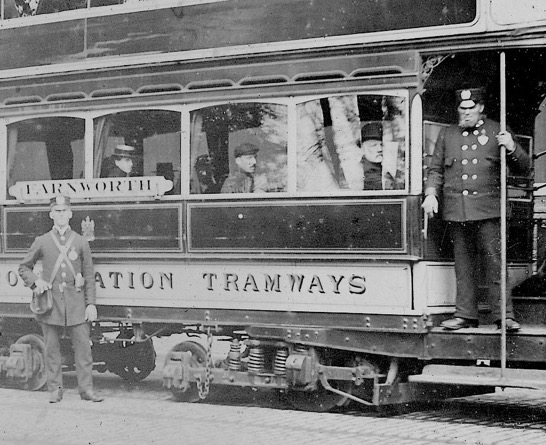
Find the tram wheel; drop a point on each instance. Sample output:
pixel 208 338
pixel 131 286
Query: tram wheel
pixel 321 400
pixel 198 360
pixel 133 361
pixel 39 376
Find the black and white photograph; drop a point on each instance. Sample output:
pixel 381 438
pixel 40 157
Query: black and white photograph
pixel 253 222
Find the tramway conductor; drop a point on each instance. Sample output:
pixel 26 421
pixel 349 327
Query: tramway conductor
pixel 68 274
pixel 465 172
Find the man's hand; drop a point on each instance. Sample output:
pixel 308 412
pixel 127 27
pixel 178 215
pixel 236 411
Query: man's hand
pixel 430 205
pixel 505 138
pixel 91 313
pixel 41 286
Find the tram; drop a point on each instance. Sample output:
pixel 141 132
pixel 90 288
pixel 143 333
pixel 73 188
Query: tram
pixel 324 289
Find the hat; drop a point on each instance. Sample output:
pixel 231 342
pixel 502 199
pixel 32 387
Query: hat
pixel 373 130
pixel 60 200
pixel 124 151
pixel 245 149
pixel 470 97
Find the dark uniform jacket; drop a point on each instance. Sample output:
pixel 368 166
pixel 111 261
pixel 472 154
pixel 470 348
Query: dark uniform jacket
pixel 68 306
pixel 465 171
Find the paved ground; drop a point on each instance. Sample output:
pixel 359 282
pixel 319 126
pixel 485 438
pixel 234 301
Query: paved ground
pixel 27 418
pixel 146 414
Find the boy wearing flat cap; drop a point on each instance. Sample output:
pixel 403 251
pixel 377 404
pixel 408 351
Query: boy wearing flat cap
pixel 242 179
pixel 465 172
pixel 68 273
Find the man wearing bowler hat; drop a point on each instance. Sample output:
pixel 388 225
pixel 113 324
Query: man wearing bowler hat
pixel 242 179
pixel 68 273
pixel 372 160
pixel 120 164
pixel 465 173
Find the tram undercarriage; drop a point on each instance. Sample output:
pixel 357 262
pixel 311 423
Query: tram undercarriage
pixel 314 368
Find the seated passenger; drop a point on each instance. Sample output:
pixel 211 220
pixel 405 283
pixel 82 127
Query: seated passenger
pixel 242 180
pixel 120 164
pixel 372 147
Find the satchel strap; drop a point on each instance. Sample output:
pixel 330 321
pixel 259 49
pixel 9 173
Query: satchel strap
pixel 62 255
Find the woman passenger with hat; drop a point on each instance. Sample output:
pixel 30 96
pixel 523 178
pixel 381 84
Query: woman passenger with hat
pixel 120 164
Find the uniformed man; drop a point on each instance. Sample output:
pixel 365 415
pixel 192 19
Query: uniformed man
pixel 68 273
pixel 465 172
pixel 372 159
pixel 242 179
pixel 120 164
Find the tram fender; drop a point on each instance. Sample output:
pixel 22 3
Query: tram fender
pixel 176 373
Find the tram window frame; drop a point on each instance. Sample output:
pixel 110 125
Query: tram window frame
pixel 404 94
pixel 253 139
pixel 79 161
pixel 173 167
pixel 292 144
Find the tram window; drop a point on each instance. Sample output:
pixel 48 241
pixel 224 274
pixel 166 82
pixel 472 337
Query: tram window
pixel 219 132
pixel 331 153
pixel 155 137
pixel 45 149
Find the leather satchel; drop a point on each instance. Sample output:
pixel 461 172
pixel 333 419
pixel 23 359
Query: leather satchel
pixel 41 303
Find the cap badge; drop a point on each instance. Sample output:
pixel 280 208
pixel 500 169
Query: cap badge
pixel 60 200
pixel 466 94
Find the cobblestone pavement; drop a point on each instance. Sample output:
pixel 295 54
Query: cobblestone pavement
pixel 514 417
pixel 145 413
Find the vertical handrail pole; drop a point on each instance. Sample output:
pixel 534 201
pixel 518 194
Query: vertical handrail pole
pixel 503 207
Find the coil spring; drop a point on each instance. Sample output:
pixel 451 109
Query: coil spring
pixel 256 360
pixel 280 361
pixel 234 356
pixel 300 349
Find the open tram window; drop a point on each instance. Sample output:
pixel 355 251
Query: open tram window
pixel 150 138
pixel 352 142
pixel 49 148
pixel 239 148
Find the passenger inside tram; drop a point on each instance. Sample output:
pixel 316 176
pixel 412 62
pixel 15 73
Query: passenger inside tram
pixel 220 134
pixel 334 152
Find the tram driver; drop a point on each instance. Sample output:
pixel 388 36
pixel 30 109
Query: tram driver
pixel 465 172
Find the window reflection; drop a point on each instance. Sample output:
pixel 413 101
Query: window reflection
pixel 149 139
pixel 45 149
pixel 352 143
pixel 239 148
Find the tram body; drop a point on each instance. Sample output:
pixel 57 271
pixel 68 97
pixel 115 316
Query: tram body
pixel 325 290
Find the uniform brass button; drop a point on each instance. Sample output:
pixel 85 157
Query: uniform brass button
pixel 465 133
pixel 465 192
pixel 474 176
pixel 465 147
pixel 474 161
pixel 474 193
pixel 62 238
pixel 63 265
pixel 476 132
pixel 63 274
pixel 474 146
pixel 465 176
pixel 464 161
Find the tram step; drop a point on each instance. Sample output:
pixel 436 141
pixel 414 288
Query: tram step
pixel 481 376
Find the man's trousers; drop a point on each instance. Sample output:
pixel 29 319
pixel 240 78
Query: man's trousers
pixel 79 335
